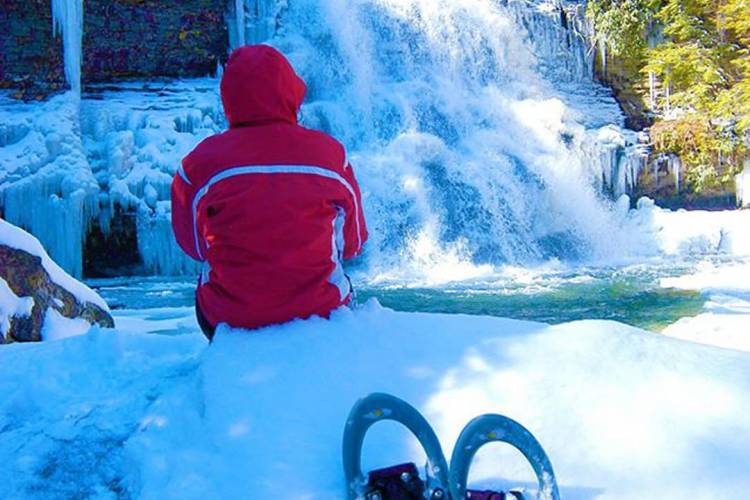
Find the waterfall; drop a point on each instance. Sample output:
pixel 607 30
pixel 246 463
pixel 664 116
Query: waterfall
pixel 67 16
pixel 474 126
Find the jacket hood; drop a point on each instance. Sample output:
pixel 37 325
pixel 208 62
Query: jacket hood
pixel 259 85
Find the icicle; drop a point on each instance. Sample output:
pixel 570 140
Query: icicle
pixel 652 88
pixel 157 246
pixel 603 55
pixel 67 16
pixel 239 12
pixel 742 182
pixel 675 164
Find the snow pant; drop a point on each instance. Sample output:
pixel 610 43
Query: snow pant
pixel 206 327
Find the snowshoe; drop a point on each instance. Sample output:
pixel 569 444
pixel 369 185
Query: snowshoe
pixel 497 428
pixel 401 482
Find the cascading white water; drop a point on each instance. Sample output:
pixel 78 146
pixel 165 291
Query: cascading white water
pixel 67 16
pixel 468 122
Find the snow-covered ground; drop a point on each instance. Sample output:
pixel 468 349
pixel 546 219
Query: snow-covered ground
pixel 725 321
pixel 622 412
pixel 685 233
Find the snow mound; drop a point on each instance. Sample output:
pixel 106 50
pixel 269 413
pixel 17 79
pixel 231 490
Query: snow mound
pixel 260 415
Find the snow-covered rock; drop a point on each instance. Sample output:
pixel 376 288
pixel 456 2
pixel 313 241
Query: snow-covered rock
pixel 38 300
pixel 260 415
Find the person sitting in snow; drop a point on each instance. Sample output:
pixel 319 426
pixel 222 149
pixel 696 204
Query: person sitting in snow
pixel 269 207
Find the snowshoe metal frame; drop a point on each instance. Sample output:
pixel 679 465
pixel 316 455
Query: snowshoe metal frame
pixel 497 428
pixel 378 407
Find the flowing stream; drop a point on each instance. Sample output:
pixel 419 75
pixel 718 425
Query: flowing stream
pixel 630 294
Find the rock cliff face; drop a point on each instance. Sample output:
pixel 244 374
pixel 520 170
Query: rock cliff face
pixel 121 39
pixel 32 298
pixel 148 38
pixel 31 58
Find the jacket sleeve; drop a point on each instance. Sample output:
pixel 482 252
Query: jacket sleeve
pixel 182 214
pixel 355 227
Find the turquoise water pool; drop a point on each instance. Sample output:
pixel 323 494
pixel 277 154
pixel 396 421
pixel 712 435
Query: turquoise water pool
pixel 629 294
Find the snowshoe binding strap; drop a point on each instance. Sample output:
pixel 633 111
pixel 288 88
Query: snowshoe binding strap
pixel 376 408
pixel 497 428
pixel 401 482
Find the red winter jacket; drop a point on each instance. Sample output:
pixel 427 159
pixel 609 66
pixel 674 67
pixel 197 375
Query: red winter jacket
pixel 269 207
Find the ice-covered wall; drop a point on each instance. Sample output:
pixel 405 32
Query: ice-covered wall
pixel 68 163
pixel 560 36
pixel 135 139
pixel 46 185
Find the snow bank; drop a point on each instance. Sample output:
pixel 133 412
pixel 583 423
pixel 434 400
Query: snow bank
pixel 725 321
pixel 661 232
pixel 620 411
pixel 15 237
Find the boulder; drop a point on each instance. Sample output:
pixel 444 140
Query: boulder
pixel 38 300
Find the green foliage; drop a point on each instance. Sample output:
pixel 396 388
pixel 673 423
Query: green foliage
pixel 698 51
pixel 622 24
